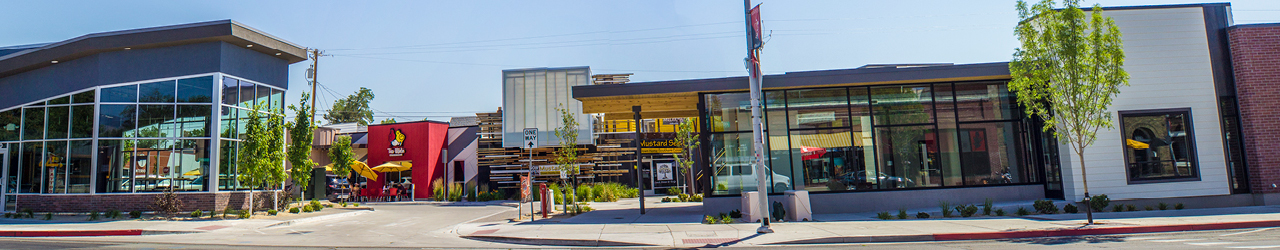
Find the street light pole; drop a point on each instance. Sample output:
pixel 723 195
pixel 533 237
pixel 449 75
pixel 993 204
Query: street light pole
pixel 635 110
pixel 757 133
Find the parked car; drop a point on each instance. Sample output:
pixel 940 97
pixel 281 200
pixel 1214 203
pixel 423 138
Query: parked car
pixel 737 176
pixel 857 180
pixel 336 188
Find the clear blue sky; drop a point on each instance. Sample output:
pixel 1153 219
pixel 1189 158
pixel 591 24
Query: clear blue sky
pixel 424 57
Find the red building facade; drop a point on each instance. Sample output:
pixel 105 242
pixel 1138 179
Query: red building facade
pixel 1254 52
pixel 420 143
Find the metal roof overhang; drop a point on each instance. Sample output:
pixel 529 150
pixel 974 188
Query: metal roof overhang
pixel 223 30
pixel 670 99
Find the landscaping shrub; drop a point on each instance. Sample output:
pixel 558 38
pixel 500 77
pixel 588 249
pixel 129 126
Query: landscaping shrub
pixel 1071 209
pixel 113 214
pixel 294 210
pixel 245 214
pixel 987 205
pixel 1118 208
pixel 967 211
pixel 48 216
pixel 922 215
pixel 735 214
pixel 1022 211
pixel 946 208
pixel 902 214
pixel 6 215
pixel 884 216
pixel 437 189
pixel 93 215
pixel 1178 206
pixel 30 213
pixel 272 211
pixel 227 211
pixel 1045 207
pixel 307 209
pixel 695 198
pixel 1149 208
pixel 197 214
pixel 344 204
pixel 709 220
pixel 1099 202
pixel 167 203
pixel 1131 207
pixel 725 219
pixel 682 197
pixel 1000 212
pixel 673 191
pixel 135 214
pixel 357 204
pixel 666 199
pixel 1162 206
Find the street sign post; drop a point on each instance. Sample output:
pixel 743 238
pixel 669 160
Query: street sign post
pixel 530 142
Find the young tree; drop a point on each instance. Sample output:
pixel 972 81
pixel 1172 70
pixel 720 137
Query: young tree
pixel 567 154
pixel 301 133
pixel 1067 71
pixel 340 154
pixel 353 108
pixel 687 139
pixel 388 121
pixel 261 160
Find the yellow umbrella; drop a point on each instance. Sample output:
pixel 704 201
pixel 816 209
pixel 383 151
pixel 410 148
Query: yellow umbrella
pixel 393 167
pixel 1137 144
pixel 194 172
pixel 363 170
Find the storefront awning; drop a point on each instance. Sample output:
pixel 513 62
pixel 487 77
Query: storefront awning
pixel 395 166
pixel 1136 144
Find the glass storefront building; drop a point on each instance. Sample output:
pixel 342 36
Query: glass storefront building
pixel 134 112
pixel 904 136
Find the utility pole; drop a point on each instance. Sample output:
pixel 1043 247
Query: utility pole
pixel 635 110
pixel 313 74
pixel 754 42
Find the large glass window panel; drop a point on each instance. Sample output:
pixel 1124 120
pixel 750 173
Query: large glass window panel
pixel 196 90
pixel 31 168
pixel 11 177
pixel 1158 145
pixel 732 165
pixel 127 93
pixel 83 97
pixel 55 167
pixel 10 124
pixel 229 122
pixel 58 101
pixel 985 101
pixel 227 165
pixel 79 166
pixel 906 155
pixel 990 153
pixel 729 112
pixel 863 139
pixel 82 121
pixel 242 123
pixel 57 120
pixel 263 97
pixel 117 120
pixel 828 158
pixel 154 171
pixel 116 166
pixel 190 163
pixel 33 123
pixel 155 121
pixel 157 92
pixel 230 91
pixel 247 94
pixel 194 120
pixel 903 104
pixel 948 139
pixel 277 100
pixel 818 108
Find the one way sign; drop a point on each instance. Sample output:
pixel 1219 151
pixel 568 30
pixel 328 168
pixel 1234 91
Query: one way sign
pixel 530 138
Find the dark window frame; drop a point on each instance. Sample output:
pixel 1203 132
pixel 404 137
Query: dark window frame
pixel 1193 158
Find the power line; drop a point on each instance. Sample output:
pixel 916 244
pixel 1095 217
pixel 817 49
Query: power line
pixel 536 37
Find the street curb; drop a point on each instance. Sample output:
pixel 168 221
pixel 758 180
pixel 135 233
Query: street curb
pixel 1033 234
pixel 554 242
pixel 318 218
pixel 71 233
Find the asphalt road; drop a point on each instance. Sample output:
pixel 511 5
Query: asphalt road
pixel 391 226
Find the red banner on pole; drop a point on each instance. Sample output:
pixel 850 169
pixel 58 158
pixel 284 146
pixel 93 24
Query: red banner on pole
pixel 524 188
pixel 757 33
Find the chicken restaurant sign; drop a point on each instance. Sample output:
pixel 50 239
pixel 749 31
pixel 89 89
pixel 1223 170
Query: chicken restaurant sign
pixel 397 143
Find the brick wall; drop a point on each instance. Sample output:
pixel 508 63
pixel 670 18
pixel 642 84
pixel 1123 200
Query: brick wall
pixel 1255 55
pixel 81 203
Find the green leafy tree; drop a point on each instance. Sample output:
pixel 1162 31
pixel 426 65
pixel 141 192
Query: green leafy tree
pixel 301 133
pixel 353 108
pixel 261 161
pixel 687 139
pixel 388 121
pixel 1067 71
pixel 340 154
pixel 567 154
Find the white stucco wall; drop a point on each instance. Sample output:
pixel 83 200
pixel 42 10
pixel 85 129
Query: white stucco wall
pixel 1169 64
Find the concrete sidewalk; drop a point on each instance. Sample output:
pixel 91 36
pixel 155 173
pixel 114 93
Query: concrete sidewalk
pixel 79 226
pixel 678 225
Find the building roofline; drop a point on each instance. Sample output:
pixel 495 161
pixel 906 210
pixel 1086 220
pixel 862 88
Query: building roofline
pixel 1254 25
pixel 545 68
pixel 1166 6
pixel 164 36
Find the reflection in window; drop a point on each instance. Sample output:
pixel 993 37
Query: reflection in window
pixel 985 101
pixel 55 167
pixel 277 99
pixel 247 94
pixel 79 166
pixel 59 101
pixel 115 166
pixel 190 163
pixel 229 122
pixel 196 90
pixel 154 169
pixel 1158 145
pixel 897 105
pixel 227 165
pixel 230 91
pixel 57 122
pixel 83 97
pixel 82 121
pixel 263 98
pixel 829 160
pixel 907 157
pixel 729 112
pixel 116 120
pixel 33 123
pixel 157 92
pixel 11 178
pixel 10 123
pixel 989 153
pixel 732 165
pixel 193 120
pixel 31 168
pixel 155 121
pixel 127 93
pixel 818 108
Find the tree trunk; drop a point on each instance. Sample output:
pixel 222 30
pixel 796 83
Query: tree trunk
pixel 1084 178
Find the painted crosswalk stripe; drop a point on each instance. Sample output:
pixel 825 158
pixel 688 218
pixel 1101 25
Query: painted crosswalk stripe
pixel 1208 243
pixel 1246 232
pixel 1174 240
pixel 1255 247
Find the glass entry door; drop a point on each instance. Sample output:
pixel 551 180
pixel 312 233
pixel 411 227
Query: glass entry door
pixel 7 201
